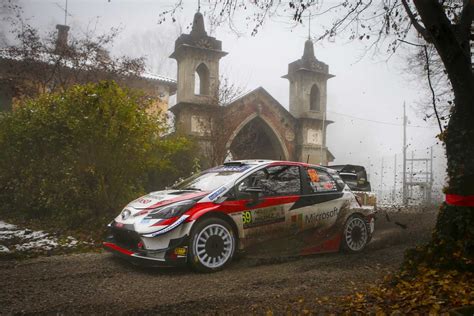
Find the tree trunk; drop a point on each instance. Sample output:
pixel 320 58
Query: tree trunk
pixel 452 243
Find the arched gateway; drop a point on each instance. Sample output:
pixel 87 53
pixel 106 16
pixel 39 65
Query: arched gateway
pixel 255 126
pixel 256 139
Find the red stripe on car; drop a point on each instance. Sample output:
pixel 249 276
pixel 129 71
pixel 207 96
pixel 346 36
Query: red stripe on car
pixel 117 248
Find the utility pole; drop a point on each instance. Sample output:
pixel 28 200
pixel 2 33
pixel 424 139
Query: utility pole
pixel 368 169
pixel 394 196
pixel 381 180
pixel 404 183
pixel 410 191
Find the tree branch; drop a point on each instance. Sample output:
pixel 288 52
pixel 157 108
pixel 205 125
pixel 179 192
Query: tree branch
pixel 433 97
pixel 466 15
pixel 428 73
pixel 415 22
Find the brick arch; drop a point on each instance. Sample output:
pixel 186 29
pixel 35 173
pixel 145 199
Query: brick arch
pixel 272 132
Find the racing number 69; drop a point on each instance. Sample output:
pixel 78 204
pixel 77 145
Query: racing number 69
pixel 246 217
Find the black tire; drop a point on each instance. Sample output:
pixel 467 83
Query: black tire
pixel 211 245
pixel 356 234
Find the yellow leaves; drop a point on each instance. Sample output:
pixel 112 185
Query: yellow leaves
pixel 431 291
pixel 359 296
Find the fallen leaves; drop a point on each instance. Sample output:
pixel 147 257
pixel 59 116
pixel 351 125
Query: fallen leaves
pixel 431 291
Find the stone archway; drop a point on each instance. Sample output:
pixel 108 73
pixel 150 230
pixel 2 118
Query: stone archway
pixel 254 138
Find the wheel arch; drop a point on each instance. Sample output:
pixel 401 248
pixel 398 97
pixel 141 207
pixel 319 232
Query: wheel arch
pixel 224 217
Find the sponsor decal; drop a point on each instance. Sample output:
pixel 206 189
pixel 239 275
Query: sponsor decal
pixel 238 168
pixel 316 217
pixel 296 220
pixel 329 186
pixel 264 216
pixel 216 193
pixel 313 175
pixel 180 251
pixel 143 200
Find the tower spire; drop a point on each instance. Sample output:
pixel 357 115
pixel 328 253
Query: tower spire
pixel 198 29
pixel 65 15
pixel 309 26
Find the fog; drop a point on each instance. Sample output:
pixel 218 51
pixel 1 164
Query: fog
pixel 365 98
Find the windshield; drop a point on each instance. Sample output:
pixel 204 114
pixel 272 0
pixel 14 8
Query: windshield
pixel 212 179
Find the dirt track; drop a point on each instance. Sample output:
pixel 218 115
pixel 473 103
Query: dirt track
pixel 100 283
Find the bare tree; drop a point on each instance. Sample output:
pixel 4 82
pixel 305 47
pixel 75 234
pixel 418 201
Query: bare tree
pixel 155 46
pixel 8 9
pixel 425 64
pixel 35 64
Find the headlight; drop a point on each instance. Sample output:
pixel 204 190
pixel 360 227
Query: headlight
pixel 171 210
pixel 125 214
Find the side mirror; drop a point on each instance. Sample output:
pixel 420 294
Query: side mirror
pixel 255 193
pixel 254 190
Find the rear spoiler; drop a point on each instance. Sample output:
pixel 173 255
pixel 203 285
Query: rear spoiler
pixel 347 172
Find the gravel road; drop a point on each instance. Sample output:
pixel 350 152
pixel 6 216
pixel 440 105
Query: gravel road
pixel 98 283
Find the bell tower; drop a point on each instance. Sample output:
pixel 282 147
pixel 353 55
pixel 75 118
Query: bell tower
pixel 308 99
pixel 308 84
pixel 198 56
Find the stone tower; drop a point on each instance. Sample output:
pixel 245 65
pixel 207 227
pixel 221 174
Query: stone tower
pixel 198 58
pixel 308 96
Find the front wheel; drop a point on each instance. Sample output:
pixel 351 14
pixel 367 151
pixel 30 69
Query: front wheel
pixel 356 234
pixel 212 245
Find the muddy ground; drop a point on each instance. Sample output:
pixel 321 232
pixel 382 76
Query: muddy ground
pixel 101 284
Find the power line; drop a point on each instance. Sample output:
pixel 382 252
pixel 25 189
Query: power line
pixel 378 122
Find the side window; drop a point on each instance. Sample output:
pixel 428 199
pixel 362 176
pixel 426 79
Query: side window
pixel 320 181
pixel 274 181
pixel 340 183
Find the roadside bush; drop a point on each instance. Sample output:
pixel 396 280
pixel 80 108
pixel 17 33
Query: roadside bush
pixel 78 157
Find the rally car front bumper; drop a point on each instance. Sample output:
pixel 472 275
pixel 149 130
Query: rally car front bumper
pixel 128 245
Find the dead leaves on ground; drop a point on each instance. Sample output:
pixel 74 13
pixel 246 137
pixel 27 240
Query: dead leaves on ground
pixel 431 291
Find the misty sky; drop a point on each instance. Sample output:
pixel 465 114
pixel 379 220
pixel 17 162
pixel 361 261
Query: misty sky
pixel 371 88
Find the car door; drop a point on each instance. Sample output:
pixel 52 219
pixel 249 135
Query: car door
pixel 319 206
pixel 267 216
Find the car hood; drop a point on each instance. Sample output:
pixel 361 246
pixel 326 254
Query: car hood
pixel 165 197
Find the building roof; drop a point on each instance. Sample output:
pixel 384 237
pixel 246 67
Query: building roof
pixel 52 59
pixel 163 79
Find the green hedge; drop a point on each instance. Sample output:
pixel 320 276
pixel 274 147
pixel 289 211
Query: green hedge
pixel 78 157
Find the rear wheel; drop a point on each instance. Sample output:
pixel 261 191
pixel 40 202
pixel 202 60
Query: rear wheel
pixel 356 234
pixel 212 245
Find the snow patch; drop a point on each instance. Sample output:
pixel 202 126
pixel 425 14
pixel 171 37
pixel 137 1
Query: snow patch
pixel 15 239
pixel 4 225
pixel 4 249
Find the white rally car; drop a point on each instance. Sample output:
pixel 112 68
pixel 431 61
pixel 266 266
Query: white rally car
pixel 207 218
